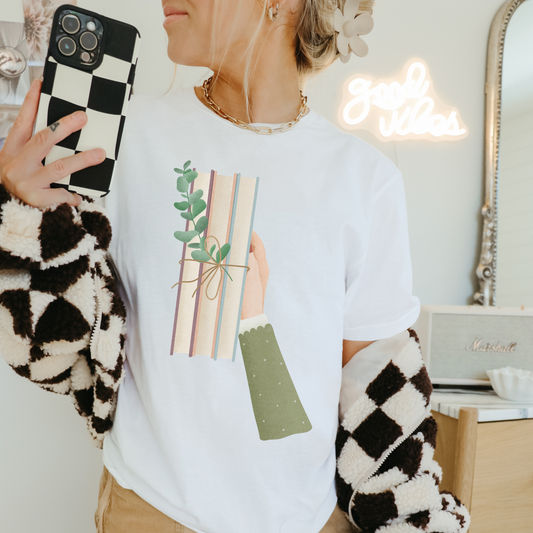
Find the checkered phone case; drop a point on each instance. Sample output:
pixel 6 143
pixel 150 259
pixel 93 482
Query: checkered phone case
pixel 103 94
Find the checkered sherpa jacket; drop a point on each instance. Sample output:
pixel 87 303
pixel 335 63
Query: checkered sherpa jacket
pixel 387 480
pixel 62 322
pixel 62 326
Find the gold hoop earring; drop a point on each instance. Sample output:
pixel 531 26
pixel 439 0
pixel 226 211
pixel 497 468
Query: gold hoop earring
pixel 271 15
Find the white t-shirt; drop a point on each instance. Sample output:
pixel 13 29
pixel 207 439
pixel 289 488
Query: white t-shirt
pixel 330 211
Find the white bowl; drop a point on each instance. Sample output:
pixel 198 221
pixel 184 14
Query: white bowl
pixel 512 384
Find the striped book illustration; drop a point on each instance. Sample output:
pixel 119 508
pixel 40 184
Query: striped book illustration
pixel 209 299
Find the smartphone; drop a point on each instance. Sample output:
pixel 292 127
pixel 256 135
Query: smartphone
pixel 90 66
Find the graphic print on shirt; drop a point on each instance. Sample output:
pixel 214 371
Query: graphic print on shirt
pixel 224 282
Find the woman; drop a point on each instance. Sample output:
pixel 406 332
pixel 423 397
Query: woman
pixel 245 443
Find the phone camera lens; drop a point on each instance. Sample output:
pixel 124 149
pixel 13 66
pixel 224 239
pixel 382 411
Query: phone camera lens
pixel 71 23
pixel 66 46
pixel 88 40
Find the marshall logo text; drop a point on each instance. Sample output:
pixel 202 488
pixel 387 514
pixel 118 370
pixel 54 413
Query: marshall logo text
pixel 479 346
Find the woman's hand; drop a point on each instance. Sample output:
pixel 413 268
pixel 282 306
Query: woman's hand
pixel 21 170
pixel 256 280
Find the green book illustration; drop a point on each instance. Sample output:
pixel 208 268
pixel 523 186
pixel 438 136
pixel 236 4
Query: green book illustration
pixel 277 407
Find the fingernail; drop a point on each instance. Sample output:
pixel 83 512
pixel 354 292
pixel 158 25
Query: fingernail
pixel 98 153
pixel 78 116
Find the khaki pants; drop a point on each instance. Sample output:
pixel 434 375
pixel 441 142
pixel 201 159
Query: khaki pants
pixel 121 511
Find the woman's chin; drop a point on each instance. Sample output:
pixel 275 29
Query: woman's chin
pixel 181 57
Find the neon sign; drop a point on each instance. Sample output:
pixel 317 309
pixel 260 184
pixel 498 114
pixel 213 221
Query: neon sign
pixel 396 111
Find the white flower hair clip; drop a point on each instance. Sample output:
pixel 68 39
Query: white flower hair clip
pixel 349 27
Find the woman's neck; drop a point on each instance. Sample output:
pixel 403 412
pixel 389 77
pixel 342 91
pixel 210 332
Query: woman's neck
pixel 273 90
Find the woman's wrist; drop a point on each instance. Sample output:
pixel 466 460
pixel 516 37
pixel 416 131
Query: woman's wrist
pixel 246 324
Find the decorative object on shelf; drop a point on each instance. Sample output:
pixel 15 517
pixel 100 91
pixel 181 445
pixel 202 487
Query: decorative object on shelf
pixel 459 342
pixel 23 47
pixel 349 26
pixel 14 72
pixel 512 384
pixel 12 62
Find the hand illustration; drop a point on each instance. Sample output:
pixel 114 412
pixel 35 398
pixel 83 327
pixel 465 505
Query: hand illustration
pixel 277 408
pixel 256 279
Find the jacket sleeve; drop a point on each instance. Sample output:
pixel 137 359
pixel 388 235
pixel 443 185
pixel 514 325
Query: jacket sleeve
pixel 403 495
pixel 62 322
pixel 265 369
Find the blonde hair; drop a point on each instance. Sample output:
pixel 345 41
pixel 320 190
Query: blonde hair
pixel 314 38
pixel 316 46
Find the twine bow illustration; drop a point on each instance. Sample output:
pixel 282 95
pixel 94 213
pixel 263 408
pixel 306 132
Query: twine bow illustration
pixel 210 273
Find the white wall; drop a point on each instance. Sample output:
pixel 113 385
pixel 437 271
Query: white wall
pixel 49 470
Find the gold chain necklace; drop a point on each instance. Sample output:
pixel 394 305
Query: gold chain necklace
pixel 261 130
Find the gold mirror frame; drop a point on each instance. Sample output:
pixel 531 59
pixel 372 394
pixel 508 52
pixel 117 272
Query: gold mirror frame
pixel 486 270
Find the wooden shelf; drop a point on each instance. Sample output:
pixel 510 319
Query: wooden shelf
pixel 489 467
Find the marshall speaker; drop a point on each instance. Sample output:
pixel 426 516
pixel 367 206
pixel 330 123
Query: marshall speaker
pixel 459 343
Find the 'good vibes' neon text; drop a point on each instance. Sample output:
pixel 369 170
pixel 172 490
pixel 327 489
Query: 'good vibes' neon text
pixel 406 109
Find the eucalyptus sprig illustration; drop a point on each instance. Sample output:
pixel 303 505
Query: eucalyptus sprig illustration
pixel 191 208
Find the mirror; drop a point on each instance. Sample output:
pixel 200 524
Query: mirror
pixel 514 279
pixel 505 269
